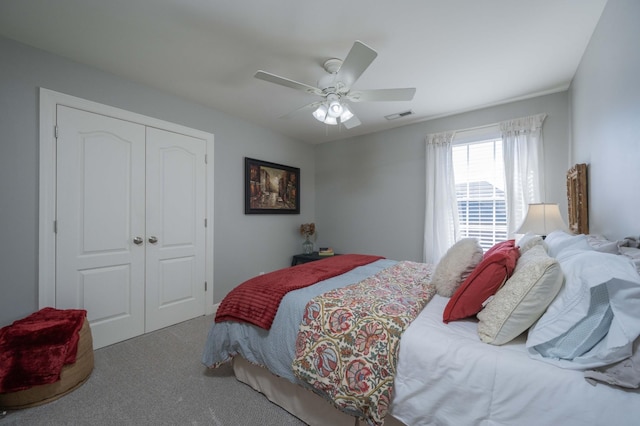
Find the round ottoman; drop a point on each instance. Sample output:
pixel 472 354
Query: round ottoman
pixel 71 376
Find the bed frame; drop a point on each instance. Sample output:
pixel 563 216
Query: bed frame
pixel 315 410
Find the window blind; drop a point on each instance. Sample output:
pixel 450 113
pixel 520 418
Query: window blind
pixel 480 183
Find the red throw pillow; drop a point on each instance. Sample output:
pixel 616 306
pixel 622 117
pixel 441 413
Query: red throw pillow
pixel 499 246
pixel 496 266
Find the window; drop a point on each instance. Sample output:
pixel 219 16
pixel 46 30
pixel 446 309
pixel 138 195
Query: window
pixel 480 184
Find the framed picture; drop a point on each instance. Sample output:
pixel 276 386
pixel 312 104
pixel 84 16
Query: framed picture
pixel 577 195
pixel 270 188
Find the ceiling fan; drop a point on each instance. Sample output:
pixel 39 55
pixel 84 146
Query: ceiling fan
pixel 335 88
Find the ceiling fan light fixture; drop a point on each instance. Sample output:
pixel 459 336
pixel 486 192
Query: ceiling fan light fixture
pixel 322 115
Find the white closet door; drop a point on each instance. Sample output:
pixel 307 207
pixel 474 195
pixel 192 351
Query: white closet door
pixel 175 228
pixel 100 191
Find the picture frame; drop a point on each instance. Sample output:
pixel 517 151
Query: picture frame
pixel 271 188
pixel 577 196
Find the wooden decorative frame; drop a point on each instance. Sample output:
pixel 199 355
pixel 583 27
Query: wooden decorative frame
pixel 577 198
pixel 271 188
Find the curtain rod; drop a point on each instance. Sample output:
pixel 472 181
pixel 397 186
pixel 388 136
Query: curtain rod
pixel 468 129
pixel 484 126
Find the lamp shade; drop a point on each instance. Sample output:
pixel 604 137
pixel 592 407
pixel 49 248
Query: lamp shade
pixel 320 113
pixel 346 114
pixel 335 109
pixel 542 219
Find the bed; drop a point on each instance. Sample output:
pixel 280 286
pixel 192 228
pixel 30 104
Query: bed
pixel 533 332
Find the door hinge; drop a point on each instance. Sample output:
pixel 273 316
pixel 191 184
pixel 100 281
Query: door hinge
pixel 55 226
pixel 205 286
pixel 55 131
pixel 205 222
pixel 206 159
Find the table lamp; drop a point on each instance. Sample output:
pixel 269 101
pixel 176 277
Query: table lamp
pixel 542 219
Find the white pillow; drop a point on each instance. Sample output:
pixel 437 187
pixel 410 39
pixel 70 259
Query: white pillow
pixel 558 241
pixel 456 265
pixel 586 333
pixel 523 298
pixel 575 316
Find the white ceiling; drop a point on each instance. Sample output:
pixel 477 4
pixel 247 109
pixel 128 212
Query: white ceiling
pixel 459 54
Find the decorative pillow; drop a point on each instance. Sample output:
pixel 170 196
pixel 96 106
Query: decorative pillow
pixel 577 330
pixel 558 241
pixel 527 241
pixel 456 265
pixel 484 281
pixel 525 296
pixel 499 246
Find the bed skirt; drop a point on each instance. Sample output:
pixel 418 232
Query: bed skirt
pixel 302 403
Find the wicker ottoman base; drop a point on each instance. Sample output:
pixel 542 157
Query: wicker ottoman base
pixel 71 377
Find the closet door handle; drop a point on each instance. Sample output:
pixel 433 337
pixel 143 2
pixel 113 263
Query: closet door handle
pixel 153 239
pixel 138 240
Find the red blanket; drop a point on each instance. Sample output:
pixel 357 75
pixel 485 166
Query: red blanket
pixel 256 301
pixel 33 350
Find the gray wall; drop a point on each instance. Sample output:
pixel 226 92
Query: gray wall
pixel 605 96
pixel 370 190
pixel 244 245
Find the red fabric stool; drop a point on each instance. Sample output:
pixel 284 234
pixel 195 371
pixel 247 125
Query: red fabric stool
pixel 43 357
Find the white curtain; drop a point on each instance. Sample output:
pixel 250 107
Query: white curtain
pixel 523 154
pixel 441 213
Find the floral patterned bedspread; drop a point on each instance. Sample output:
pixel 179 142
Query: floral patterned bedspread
pixel 348 341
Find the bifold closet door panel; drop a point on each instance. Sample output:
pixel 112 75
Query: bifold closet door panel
pixel 175 228
pixel 100 218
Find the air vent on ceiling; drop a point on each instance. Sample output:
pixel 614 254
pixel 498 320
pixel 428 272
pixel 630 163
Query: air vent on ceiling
pixel 398 115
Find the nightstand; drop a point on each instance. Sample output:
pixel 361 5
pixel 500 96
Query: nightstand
pixel 299 259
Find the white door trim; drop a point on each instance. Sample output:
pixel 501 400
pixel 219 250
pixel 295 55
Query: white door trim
pixel 47 197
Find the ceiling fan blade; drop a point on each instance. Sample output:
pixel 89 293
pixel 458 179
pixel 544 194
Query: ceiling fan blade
pixel 358 59
pixel 352 122
pixel 308 107
pixel 382 95
pixel 282 81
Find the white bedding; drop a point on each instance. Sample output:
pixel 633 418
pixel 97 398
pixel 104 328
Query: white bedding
pixel 447 376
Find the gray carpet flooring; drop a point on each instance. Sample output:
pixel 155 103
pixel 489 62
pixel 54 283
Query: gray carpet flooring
pixel 157 379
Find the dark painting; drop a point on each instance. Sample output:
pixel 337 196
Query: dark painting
pixel 271 188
